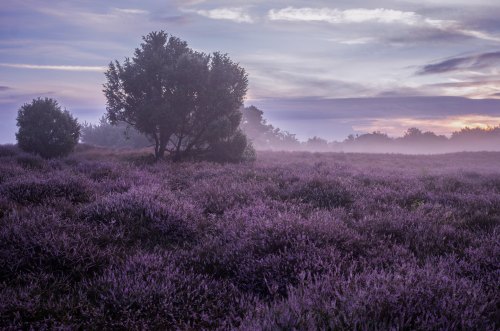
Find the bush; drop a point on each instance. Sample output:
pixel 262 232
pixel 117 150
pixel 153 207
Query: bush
pixel 41 242
pixel 8 150
pixel 410 298
pixel 319 193
pixel 43 259
pixel 30 162
pixel 142 217
pixel 34 190
pixel 45 129
pixel 149 292
pixel 10 170
pixel 234 149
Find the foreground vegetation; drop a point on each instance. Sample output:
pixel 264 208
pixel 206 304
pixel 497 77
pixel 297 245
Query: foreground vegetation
pixel 100 240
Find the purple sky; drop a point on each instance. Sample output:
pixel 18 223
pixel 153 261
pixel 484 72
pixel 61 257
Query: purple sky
pixel 324 68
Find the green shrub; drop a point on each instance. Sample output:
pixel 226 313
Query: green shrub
pixel 45 129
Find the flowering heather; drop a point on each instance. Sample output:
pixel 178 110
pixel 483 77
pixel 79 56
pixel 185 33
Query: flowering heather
pixel 293 241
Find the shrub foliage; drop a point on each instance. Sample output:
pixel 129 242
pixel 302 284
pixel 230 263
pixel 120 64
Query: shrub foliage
pixel 46 129
pixel 294 241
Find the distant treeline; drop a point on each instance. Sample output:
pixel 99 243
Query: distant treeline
pixel 114 136
pixel 265 136
pixel 414 141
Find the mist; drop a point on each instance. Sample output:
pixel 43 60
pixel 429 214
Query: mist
pixel 265 136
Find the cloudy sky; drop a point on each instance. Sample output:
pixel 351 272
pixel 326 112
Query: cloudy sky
pixel 317 67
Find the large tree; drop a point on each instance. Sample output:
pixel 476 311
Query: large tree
pixel 185 101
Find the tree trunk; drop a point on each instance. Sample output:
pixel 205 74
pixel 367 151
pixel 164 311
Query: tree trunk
pixel 178 153
pixel 157 147
pixel 160 152
pixel 161 145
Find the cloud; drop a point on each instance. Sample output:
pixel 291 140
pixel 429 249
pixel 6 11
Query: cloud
pixel 480 89
pixel 4 88
pixel 270 81
pixel 336 16
pixel 51 50
pixel 423 107
pixel 238 15
pixel 106 20
pixel 356 41
pixel 189 2
pixel 379 15
pixel 131 11
pixel 54 67
pixel 175 19
pixel 352 40
pixel 474 62
pixel 403 91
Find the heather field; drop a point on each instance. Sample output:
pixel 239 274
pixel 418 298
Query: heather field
pixel 293 241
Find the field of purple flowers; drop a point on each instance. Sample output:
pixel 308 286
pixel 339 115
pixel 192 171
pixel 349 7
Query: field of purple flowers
pixel 294 241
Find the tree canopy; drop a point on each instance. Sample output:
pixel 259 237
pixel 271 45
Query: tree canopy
pixel 46 129
pixel 186 102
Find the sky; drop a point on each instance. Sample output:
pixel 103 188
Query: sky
pixel 316 68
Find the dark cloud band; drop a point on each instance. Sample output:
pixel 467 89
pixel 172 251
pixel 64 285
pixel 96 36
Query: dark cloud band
pixel 473 62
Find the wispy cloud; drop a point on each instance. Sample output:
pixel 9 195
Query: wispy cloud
pixel 473 62
pixel 379 15
pixel 238 15
pixel 470 89
pixel 354 41
pixel 284 74
pixel 420 107
pixel 189 2
pixel 131 11
pixel 53 67
pixel 174 19
pixel 336 16
pixel 109 19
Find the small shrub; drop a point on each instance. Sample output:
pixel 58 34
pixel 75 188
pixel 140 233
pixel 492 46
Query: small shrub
pixel 409 298
pixel 143 216
pixel 9 150
pixel 5 206
pixel 264 258
pixel 320 193
pixel 216 198
pixel 98 171
pixel 45 129
pixel 30 162
pixel 235 149
pixel 35 190
pixel 41 242
pixel 149 292
pixel 10 170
